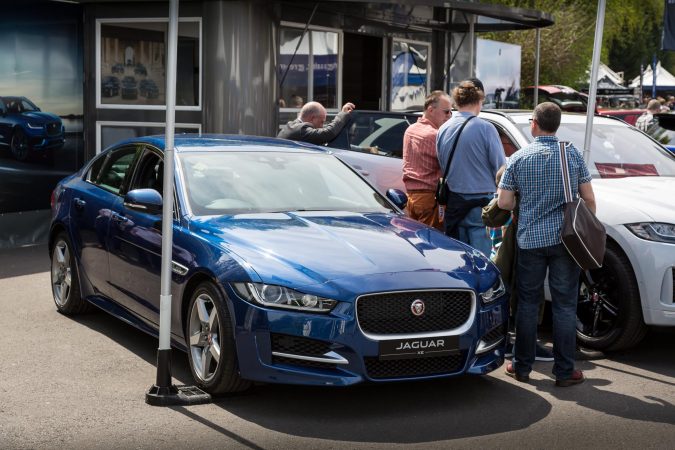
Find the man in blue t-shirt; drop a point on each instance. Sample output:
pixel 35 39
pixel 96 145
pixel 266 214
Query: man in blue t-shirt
pixel 534 172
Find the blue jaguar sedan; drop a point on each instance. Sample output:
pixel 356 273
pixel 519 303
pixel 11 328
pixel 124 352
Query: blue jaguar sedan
pixel 28 131
pixel 288 267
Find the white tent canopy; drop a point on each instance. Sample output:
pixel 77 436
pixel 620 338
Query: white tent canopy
pixel 605 71
pixel 663 77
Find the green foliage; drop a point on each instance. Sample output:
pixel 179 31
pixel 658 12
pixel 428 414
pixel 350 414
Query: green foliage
pixel 631 35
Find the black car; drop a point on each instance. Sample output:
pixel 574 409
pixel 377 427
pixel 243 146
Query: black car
pixel 27 131
pixel 129 88
pixel 148 88
pixel 140 70
pixel 118 68
pixel 110 86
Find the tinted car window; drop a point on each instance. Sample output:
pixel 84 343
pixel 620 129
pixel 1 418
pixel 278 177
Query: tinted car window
pixel 617 150
pixel 115 169
pixel 95 168
pixel 150 173
pixel 376 133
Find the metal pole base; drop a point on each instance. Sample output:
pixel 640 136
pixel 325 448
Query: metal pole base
pixel 176 395
pixel 163 393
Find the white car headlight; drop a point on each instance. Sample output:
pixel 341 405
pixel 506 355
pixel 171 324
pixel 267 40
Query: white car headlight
pixel 282 297
pixel 497 290
pixel 654 231
pixel 33 126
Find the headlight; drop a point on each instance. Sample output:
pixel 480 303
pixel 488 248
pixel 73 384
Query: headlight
pixel 282 297
pixel 654 231
pixel 497 290
pixel 34 127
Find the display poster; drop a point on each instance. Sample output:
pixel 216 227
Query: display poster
pixel 132 70
pixel 498 67
pixel 408 75
pixel 41 106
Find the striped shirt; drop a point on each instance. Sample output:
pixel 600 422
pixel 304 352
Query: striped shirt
pixel 534 172
pixel 420 164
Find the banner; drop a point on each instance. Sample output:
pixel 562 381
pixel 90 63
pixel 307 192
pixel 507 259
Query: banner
pixel 668 39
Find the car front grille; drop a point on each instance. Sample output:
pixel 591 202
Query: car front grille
pixel 416 367
pixel 53 129
pixel 391 313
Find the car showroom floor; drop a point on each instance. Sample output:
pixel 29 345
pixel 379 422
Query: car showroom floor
pixel 80 383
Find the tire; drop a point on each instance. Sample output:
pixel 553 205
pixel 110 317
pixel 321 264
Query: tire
pixel 609 312
pixel 210 341
pixel 64 278
pixel 19 145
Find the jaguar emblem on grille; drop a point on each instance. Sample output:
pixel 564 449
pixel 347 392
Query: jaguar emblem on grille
pixel 417 307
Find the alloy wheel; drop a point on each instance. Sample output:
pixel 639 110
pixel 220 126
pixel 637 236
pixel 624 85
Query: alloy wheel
pixel 19 146
pixel 598 307
pixel 61 273
pixel 204 338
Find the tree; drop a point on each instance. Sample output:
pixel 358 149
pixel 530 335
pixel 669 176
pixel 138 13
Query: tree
pixel 632 34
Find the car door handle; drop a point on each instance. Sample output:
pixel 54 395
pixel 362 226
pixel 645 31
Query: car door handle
pixel 118 218
pixel 79 203
pixel 365 173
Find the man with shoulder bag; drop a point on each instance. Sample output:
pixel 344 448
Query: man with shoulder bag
pixel 537 174
pixel 469 153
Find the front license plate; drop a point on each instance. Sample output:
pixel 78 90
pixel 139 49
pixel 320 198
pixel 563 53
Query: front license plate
pixel 419 348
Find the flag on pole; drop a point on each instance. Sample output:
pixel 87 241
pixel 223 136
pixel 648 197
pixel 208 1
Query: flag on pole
pixel 668 38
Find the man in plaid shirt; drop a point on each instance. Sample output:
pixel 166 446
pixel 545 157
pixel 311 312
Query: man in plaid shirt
pixel 421 170
pixel 535 173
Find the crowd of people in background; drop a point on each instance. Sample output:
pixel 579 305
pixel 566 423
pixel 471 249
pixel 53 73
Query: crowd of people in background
pixel 527 191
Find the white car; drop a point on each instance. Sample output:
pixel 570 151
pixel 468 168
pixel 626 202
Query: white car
pixel 634 184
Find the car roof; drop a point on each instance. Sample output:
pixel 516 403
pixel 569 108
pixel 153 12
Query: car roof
pixel 203 142
pixel 522 116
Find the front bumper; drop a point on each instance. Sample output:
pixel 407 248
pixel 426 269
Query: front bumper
pixel 345 355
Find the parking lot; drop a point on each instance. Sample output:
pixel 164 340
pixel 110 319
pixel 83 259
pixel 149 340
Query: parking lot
pixel 80 383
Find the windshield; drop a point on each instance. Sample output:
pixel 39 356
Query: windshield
pixel 224 183
pixel 617 150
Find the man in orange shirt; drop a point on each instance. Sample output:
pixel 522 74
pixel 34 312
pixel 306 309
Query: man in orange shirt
pixel 421 170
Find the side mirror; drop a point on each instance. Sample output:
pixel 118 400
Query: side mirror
pixel 144 200
pixel 398 197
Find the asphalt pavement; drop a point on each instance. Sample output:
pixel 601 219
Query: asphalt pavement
pixel 79 383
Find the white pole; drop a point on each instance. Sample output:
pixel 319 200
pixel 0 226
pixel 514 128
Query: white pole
pixel 593 85
pixel 167 209
pixel 536 67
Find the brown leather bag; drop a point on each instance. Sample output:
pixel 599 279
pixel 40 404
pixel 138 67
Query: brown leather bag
pixel 582 234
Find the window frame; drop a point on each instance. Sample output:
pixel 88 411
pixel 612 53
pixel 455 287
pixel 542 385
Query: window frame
pixel 391 74
pixel 310 73
pixel 124 20
pixel 110 123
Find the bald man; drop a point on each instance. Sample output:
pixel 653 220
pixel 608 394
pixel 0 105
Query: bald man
pixel 308 127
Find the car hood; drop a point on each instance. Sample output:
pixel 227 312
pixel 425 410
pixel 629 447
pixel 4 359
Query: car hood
pixel 635 199
pixel 305 248
pixel 40 116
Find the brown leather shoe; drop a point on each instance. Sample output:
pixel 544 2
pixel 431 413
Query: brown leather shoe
pixel 576 378
pixel 510 371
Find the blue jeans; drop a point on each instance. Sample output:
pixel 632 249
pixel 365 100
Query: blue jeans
pixel 472 230
pixel 563 281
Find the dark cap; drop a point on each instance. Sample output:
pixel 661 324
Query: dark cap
pixel 476 82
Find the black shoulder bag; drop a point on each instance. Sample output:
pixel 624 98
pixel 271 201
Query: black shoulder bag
pixel 442 190
pixel 582 234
